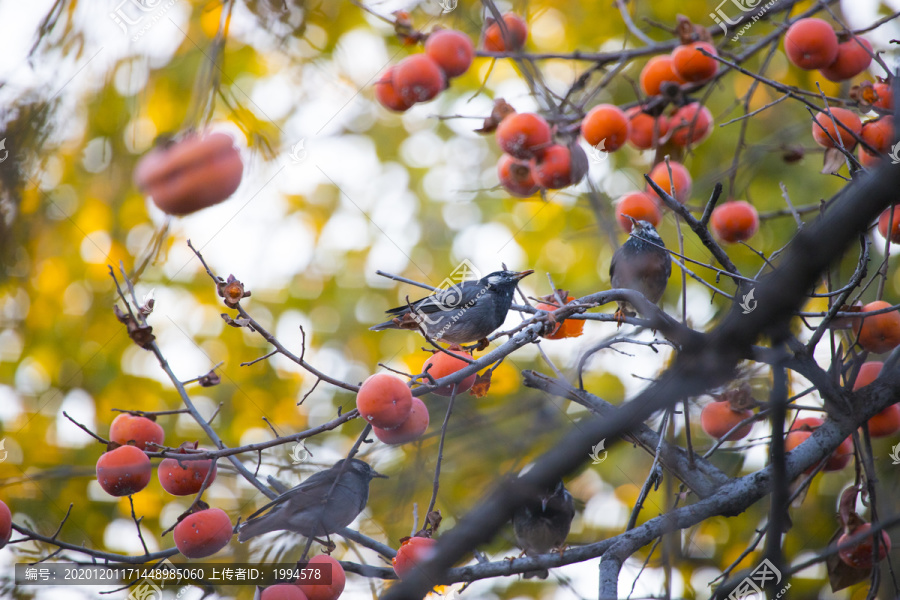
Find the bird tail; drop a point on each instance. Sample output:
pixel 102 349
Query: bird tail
pixel 539 573
pixel 383 326
pixel 254 527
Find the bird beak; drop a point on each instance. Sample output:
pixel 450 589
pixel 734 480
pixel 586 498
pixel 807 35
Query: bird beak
pixel 377 475
pixel 633 220
pixel 523 274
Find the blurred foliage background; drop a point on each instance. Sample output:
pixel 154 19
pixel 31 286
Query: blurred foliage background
pixel 410 194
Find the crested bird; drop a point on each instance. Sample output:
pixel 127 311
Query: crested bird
pixel 641 264
pixel 542 523
pixel 460 314
pixel 317 506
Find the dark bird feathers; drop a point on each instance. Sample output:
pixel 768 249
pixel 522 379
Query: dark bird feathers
pixel 460 314
pixel 309 510
pixel 641 264
pixel 542 523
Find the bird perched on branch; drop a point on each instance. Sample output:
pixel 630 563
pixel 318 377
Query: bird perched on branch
pixel 641 264
pixel 542 523
pixel 462 313
pixel 316 507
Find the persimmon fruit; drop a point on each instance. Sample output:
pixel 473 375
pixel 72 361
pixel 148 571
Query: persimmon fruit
pixel 644 126
pixel 523 135
pixel 803 428
pixel 5 524
pixel 325 591
pixel 811 44
pixel 441 364
pixel 516 177
pixel 283 591
pixel 641 206
pixel 690 124
pixel 203 533
pixel 718 418
pixel 145 433
pixel 384 401
pixel 513 40
pixel 868 372
pixel 608 124
pixel 692 65
pixel 734 221
pixel 559 166
pixel 824 122
pixel 184 477
pixel 567 327
pixel 196 172
pixel 124 471
pixel 412 552
pixel 852 59
pixel 658 71
pixel 878 333
pixel 894 221
pixel 417 78
pixel 412 428
pixel 681 178
pixel 452 50
pixel 388 96
pixel 861 555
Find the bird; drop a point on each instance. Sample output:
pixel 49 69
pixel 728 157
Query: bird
pixel 641 264
pixel 462 313
pixel 542 523
pixel 313 508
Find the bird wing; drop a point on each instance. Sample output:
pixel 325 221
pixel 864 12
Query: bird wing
pixel 444 299
pixel 306 494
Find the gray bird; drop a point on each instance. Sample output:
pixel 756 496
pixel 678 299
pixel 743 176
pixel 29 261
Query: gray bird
pixel 460 314
pixel 542 523
pixel 641 264
pixel 309 510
